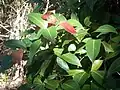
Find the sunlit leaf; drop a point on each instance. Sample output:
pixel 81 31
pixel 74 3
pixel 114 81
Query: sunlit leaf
pixel 71 58
pixel 75 71
pixel 50 33
pixel 93 48
pixel 36 19
pixel 74 22
pixel 96 65
pixel 62 64
pixel 72 47
pixel 58 51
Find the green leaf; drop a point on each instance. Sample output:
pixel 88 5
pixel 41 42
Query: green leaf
pixel 86 87
pixel 50 33
pixel 95 87
pixel 108 47
pixel 15 44
pixel 39 33
pixel 58 51
pixel 81 78
pixel 52 84
pixel 33 36
pixel 81 33
pixel 44 66
pixel 116 39
pixel 96 65
pixel 86 39
pixel 62 64
pixel 74 22
pixel 70 85
pixel 93 48
pixel 36 19
pixel 98 76
pixel 74 72
pixel 74 16
pixel 33 49
pixel 71 58
pixel 87 21
pixel 72 47
pixel 115 67
pixel 27 42
pixel 60 18
pixel 106 29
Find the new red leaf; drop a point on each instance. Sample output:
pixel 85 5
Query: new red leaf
pixel 69 28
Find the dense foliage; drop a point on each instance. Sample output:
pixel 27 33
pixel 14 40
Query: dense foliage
pixel 76 48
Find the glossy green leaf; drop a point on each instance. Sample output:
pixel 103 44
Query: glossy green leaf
pixel 93 48
pixel 96 65
pixel 58 51
pixel 15 44
pixel 75 71
pixel 50 33
pixel 36 19
pixel 106 29
pixel 74 22
pixel 72 47
pixel 91 3
pixel 108 48
pixel 115 67
pixel 98 76
pixel 81 78
pixel 33 49
pixel 52 84
pixel 70 85
pixel 71 58
pixel 62 64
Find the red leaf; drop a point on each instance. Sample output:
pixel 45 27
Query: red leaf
pixel 50 18
pixel 69 28
pixel 17 56
pixel 46 16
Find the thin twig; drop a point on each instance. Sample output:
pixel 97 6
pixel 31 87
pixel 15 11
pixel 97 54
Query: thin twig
pixel 6 29
pixel 4 36
pixel 47 6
